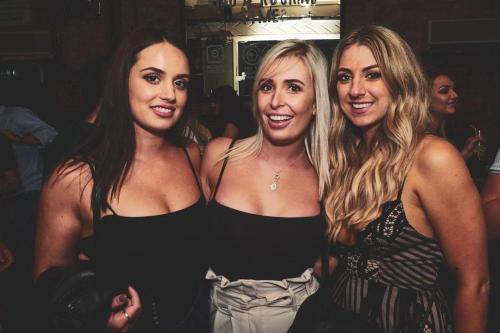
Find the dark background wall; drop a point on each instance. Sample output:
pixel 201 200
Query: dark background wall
pixel 81 33
pixel 474 67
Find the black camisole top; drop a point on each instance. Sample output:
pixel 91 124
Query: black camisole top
pixel 157 255
pixel 250 246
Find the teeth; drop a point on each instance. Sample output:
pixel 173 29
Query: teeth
pixel 162 109
pixel 360 105
pixel 279 117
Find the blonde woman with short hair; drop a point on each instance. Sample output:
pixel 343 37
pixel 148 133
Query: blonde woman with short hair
pixel 266 226
pixel 400 202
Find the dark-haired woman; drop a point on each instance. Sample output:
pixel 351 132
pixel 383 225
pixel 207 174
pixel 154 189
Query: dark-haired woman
pixel 139 176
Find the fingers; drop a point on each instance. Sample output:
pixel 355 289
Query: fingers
pixel 125 309
pixel 119 302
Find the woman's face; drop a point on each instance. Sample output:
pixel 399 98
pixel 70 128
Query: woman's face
pixel 285 101
pixel 444 98
pixel 362 93
pixel 158 87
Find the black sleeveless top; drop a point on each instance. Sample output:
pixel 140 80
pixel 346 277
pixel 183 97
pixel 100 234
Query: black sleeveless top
pixel 250 246
pixel 157 255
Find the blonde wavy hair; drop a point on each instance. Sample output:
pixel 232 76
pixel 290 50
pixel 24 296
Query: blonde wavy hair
pixel 316 142
pixel 364 178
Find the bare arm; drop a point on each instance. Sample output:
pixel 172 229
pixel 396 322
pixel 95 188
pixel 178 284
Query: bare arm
pixel 9 182
pixel 64 209
pixel 452 205
pixel 60 221
pixel 491 205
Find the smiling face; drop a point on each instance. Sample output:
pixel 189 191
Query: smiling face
pixel 362 93
pixel 158 87
pixel 444 98
pixel 285 101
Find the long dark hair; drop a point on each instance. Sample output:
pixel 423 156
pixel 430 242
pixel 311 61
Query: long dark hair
pixel 111 148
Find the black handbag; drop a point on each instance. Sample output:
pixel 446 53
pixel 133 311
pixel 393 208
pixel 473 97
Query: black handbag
pixel 319 314
pixel 73 300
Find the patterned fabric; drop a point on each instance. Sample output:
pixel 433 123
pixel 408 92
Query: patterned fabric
pixel 390 276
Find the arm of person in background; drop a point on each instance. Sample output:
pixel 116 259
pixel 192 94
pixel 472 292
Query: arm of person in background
pixel 62 216
pixel 9 179
pixel 25 127
pixel 231 131
pixel 491 199
pixel 452 205
pixel 491 205
pixel 6 258
pixel 9 182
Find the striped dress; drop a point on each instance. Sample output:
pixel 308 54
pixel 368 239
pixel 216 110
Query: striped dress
pixel 390 276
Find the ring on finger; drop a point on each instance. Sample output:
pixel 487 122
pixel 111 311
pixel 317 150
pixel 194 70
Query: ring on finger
pixel 126 315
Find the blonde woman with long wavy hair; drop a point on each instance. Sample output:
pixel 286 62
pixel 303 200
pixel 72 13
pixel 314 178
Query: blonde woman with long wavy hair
pixel 400 203
pixel 266 226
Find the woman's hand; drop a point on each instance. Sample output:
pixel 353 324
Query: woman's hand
pixel 473 146
pixel 125 309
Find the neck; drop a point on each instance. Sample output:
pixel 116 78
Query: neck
pixel 279 155
pixel 148 143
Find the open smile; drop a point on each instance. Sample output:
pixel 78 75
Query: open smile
pixel 163 111
pixel 360 108
pixel 278 121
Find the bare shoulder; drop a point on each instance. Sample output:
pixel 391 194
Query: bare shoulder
pixel 215 149
pixel 436 155
pixel 69 176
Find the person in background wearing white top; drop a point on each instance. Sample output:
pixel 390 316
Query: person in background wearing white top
pixel 491 199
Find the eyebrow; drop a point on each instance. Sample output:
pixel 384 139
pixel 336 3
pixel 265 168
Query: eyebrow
pixel 286 81
pixel 294 81
pixel 160 71
pixel 154 69
pixel 367 68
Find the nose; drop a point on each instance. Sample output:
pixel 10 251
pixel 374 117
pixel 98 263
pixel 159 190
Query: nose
pixel 167 92
pixel 454 95
pixel 277 99
pixel 357 88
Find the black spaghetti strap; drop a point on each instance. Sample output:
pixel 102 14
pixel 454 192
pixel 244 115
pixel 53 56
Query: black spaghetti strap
pixel 95 201
pixel 221 172
pixel 192 169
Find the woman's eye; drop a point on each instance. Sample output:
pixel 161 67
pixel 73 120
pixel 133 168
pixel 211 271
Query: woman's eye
pixel 373 75
pixel 443 90
pixel 265 87
pixel 294 88
pixel 181 84
pixel 152 78
pixel 343 77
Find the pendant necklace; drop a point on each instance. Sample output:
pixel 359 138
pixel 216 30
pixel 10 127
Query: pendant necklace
pixel 276 173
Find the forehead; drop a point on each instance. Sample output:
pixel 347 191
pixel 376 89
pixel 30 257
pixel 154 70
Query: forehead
pixel 443 80
pixel 163 56
pixel 291 67
pixel 357 55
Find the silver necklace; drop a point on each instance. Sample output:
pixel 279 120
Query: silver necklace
pixel 276 173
